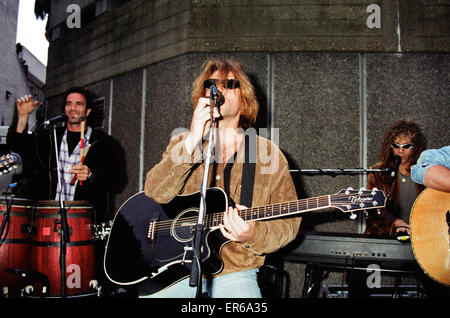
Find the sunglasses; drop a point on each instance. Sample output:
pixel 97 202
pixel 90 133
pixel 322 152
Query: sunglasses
pixel 404 146
pixel 226 83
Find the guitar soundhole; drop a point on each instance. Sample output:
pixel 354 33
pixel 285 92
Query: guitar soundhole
pixel 183 225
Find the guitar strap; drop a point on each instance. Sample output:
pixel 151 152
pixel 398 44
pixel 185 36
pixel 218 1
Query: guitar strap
pixel 248 176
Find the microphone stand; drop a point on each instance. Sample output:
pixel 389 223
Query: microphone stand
pixel 196 272
pixel 64 228
pixel 340 171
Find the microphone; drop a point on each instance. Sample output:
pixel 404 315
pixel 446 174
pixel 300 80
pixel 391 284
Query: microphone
pixel 216 96
pixel 397 161
pixel 56 119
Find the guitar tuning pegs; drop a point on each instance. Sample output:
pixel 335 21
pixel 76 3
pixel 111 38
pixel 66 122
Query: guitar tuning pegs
pixel 349 189
pixel 352 216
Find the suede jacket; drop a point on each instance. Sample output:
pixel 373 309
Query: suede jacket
pixel 179 173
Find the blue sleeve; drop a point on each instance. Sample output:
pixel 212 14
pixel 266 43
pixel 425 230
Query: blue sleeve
pixel 428 158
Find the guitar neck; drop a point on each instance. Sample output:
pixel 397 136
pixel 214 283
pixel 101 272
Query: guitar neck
pixel 345 200
pixel 285 208
pixel 280 209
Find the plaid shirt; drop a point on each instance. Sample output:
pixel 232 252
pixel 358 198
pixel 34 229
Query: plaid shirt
pixel 66 162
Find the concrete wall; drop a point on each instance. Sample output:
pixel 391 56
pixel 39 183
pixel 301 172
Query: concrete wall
pixel 12 77
pixel 141 32
pixel 329 84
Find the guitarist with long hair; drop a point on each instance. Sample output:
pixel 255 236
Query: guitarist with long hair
pixel 401 146
pixel 181 172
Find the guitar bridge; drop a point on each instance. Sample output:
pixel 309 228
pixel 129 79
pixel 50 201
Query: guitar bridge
pixel 151 232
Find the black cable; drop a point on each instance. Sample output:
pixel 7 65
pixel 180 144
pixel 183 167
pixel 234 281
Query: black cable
pixel 6 217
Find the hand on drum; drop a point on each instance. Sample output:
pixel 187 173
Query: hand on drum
pixel 81 171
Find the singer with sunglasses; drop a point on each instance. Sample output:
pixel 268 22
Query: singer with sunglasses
pixel 402 145
pixel 181 171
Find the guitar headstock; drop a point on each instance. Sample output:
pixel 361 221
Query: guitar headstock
pixel 8 163
pixel 350 200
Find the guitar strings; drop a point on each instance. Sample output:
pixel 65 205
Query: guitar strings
pixel 275 208
pixel 213 220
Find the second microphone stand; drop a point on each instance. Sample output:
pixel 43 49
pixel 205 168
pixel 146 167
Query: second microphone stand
pixel 64 226
pixel 341 171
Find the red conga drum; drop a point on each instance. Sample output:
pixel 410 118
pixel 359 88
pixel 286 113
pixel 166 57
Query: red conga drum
pixel 14 252
pixel 80 251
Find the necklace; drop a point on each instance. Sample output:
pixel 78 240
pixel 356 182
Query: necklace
pixel 402 177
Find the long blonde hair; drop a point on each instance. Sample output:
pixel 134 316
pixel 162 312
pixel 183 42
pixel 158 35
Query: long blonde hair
pixel 249 106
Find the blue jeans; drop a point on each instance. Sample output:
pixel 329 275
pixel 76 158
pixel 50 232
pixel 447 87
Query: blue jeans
pixel 234 285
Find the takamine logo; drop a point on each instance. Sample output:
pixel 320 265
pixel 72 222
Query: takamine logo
pixel 359 199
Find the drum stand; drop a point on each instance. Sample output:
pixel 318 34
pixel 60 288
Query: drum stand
pixel 64 228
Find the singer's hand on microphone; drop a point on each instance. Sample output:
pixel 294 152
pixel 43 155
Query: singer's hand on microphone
pixel 200 124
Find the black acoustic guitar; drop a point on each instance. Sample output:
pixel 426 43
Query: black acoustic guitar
pixel 153 241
